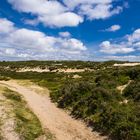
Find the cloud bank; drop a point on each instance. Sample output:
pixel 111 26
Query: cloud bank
pixel 23 44
pixel 65 12
pixel 129 43
pixel 31 44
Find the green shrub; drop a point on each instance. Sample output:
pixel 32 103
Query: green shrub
pixel 133 91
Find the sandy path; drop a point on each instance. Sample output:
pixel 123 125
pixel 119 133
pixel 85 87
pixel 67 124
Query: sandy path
pixel 56 120
pixel 123 87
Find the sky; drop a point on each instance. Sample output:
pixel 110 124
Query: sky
pixel 95 30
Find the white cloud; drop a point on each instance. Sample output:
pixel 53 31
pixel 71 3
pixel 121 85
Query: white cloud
pixel 135 37
pixel 128 44
pixel 74 3
pixel 113 28
pixel 31 21
pixel 10 51
pixel 72 45
pixel 31 43
pixel 137 44
pixel 38 6
pixel 71 13
pixel 94 9
pixel 61 20
pixel 6 26
pixel 29 39
pixel 99 11
pixel 50 13
pixel 107 47
pixel 64 34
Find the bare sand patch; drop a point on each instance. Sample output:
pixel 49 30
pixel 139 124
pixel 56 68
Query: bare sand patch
pixel 122 88
pixel 76 76
pixel 126 64
pixel 68 70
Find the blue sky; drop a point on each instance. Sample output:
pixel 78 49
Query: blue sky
pixel 70 30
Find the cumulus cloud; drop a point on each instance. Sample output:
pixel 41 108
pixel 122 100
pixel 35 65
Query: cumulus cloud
pixel 64 34
pixel 50 13
pixel 107 47
pixel 92 12
pixel 113 28
pixel 66 12
pixel 61 20
pixel 6 26
pixel 128 44
pixel 30 43
pixel 135 37
pixel 74 3
pixel 32 22
pixel 10 51
pixel 94 9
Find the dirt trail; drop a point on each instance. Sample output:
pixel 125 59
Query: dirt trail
pixel 123 87
pixel 56 120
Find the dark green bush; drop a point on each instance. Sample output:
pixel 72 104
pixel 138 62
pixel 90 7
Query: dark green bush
pixel 133 91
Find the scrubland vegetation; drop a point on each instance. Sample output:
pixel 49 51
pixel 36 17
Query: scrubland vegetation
pixel 94 97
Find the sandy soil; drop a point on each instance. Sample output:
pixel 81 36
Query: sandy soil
pixel 8 122
pixel 33 70
pixel 127 64
pixel 71 70
pixel 77 76
pixel 122 88
pixel 63 126
pixel 57 70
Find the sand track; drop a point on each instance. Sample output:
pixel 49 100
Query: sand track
pixel 63 126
